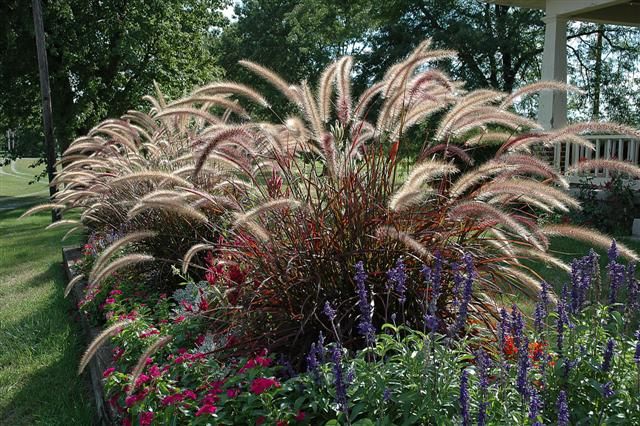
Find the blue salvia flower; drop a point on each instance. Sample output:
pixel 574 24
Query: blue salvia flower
pixel 567 366
pixel 607 390
pixel 482 362
pixel 636 356
pixel 522 384
pixel 320 348
pixel 435 288
pixel 329 311
pixel 535 404
pixel 467 292
pixel 503 327
pixel 386 395
pixel 464 397
pixel 608 355
pixel 613 251
pixel 616 279
pixel 398 276
pixel 457 283
pixel 339 379
pixel 365 326
pixel 539 317
pixel 517 325
pixel 560 324
pixel 632 288
pixel 431 322
pixel 563 409
pixel 312 359
pixel 575 286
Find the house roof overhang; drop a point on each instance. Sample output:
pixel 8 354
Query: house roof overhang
pixel 616 12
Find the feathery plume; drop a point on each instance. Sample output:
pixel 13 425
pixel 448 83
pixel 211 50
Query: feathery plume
pixel 99 341
pixel 242 219
pixel 116 265
pixel 273 78
pixel 63 223
pixel 142 361
pixel 232 88
pixel 150 175
pixel 75 280
pixel 588 236
pixel 615 165
pixel 42 207
pixel 115 246
pixel 394 234
pixel 535 88
pixel 186 261
pixel 167 205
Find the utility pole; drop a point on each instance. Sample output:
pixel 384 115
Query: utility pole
pixel 43 67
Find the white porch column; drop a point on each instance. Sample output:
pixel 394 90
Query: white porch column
pixel 552 111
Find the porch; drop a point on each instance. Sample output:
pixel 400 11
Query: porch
pixel 552 112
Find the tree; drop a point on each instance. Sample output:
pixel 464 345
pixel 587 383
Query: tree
pixel 103 57
pixel 603 62
pixel 498 46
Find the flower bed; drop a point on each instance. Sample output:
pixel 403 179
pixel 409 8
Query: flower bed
pixel 293 271
pixel 578 360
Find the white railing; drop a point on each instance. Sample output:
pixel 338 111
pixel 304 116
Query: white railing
pixel 568 154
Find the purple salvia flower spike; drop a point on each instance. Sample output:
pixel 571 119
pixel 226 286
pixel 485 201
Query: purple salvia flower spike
pixel 563 409
pixel 636 356
pixel 607 357
pixel 339 380
pixel 329 312
pixel 464 398
pixel 365 326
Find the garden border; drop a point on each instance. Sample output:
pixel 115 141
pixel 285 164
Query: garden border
pixel 102 359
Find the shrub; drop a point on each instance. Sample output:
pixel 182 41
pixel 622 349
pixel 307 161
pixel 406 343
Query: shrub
pixel 287 207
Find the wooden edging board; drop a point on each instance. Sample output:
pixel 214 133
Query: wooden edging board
pixel 102 359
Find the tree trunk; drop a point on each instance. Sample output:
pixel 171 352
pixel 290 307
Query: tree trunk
pixel 597 74
pixel 50 149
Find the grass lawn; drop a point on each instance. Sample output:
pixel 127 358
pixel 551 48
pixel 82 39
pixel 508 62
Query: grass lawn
pixel 40 343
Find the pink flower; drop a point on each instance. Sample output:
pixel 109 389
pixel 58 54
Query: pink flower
pixel 142 379
pixel 300 416
pixel 206 409
pixel 149 332
pixel 232 393
pixel 109 371
pixel 282 423
pixel 117 353
pixel 146 418
pixel 260 420
pixel 261 384
pixel 110 301
pixel 126 421
pixel 115 292
pixel 254 362
pixel 154 371
pixel 172 399
pixel 190 394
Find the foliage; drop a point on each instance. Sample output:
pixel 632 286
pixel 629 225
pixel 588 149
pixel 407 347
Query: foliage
pixel 103 56
pixel 286 207
pixel 615 213
pixel 581 347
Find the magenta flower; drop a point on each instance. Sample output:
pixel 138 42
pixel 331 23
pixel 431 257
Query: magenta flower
pixel 206 409
pixel 261 384
pixel 146 418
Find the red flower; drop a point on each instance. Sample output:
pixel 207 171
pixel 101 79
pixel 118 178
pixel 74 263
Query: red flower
pixel 115 292
pixel 110 301
pixel 172 399
pixel 261 384
pixel 190 394
pixel 206 409
pixel 536 350
pixel 260 420
pixel 146 418
pixel 254 362
pixel 142 379
pixel 232 393
pixel 282 423
pixel 109 371
pixel 300 416
pixel 510 348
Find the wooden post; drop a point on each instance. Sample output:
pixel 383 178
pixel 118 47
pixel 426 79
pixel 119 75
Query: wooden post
pixel 43 68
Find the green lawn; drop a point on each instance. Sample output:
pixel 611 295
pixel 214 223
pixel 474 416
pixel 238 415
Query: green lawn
pixel 40 342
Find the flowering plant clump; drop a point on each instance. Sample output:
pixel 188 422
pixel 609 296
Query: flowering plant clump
pixel 578 358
